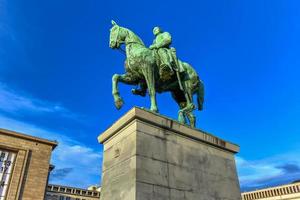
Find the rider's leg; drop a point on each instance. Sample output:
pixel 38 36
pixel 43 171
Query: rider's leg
pixel 165 69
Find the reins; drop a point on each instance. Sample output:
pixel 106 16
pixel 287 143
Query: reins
pixel 126 43
pixel 122 51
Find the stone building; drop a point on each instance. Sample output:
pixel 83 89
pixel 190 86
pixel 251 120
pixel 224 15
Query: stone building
pixel 58 192
pixel 289 191
pixel 24 165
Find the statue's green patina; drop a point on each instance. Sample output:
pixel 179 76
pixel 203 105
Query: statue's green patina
pixel 156 69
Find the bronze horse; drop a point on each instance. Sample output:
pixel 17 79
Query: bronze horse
pixel 142 69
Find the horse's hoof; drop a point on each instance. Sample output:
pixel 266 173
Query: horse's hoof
pixel 181 119
pixel 155 110
pixel 134 91
pixel 119 103
pixel 138 92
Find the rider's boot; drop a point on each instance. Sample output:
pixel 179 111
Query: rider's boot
pixel 165 71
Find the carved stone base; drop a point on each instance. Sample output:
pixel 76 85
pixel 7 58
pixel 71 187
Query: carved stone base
pixel 150 157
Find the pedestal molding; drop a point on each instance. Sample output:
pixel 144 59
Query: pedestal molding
pixel 166 123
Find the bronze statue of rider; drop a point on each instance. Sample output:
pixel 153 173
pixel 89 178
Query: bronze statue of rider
pixel 169 64
pixel 166 54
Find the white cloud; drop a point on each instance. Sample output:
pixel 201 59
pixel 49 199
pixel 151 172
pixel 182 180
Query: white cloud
pixel 15 102
pixel 278 169
pixel 85 163
pixel 31 129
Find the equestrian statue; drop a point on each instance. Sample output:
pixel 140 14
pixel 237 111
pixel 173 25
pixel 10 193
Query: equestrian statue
pixel 156 69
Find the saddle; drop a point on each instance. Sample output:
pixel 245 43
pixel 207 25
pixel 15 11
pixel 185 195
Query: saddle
pixel 174 65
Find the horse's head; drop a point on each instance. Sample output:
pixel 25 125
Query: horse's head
pixel 117 35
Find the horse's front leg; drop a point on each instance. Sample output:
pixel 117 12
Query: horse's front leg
pixel 115 91
pixel 124 78
pixel 148 72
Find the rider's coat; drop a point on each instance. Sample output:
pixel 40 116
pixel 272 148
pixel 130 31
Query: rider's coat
pixel 162 43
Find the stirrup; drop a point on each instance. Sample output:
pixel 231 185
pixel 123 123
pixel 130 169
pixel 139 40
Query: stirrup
pixel 164 66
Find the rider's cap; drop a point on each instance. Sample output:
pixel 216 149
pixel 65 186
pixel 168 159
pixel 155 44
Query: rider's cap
pixel 156 30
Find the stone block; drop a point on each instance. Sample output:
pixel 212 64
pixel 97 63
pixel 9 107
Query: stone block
pixel 148 156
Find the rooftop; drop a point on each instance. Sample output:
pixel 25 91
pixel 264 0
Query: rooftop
pixel 28 137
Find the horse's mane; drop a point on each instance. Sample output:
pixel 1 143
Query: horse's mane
pixel 134 37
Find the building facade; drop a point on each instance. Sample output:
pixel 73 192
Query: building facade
pixel 24 166
pixel 58 192
pixel 286 192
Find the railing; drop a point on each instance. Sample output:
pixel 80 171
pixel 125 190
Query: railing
pixel 272 192
pixel 71 190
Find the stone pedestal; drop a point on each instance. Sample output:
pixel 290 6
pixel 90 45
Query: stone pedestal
pixel 150 157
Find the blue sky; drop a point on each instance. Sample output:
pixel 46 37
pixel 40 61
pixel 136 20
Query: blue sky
pixel 56 68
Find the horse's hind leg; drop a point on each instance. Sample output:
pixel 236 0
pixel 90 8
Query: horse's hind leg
pixel 192 118
pixel 182 115
pixel 190 107
pixel 180 100
pixel 186 110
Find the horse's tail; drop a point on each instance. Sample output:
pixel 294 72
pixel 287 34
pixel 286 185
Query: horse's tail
pixel 200 95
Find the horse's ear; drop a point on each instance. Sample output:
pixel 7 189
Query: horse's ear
pixel 113 22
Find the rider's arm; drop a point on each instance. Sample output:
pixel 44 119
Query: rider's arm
pixel 152 46
pixel 165 40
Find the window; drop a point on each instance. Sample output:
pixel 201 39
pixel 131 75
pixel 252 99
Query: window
pixel 95 194
pixel 7 159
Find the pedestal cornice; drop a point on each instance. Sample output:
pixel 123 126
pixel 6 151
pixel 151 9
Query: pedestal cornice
pixel 167 124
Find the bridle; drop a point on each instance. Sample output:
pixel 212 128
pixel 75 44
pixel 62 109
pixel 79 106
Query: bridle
pixel 115 40
pixel 117 44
